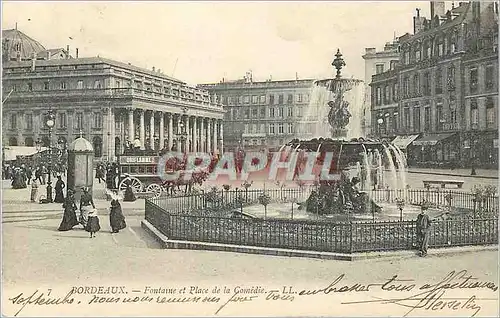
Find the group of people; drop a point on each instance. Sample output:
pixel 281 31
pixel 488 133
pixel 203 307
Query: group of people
pixel 88 217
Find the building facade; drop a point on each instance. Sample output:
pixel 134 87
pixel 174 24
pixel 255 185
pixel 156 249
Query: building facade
pixel 110 103
pixel 376 62
pixel 447 105
pixel 264 115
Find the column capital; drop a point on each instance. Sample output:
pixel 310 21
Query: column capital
pixel 129 109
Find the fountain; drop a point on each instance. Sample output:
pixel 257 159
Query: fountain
pixel 362 164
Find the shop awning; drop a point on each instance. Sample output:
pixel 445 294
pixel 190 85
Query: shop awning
pixel 402 142
pixel 433 139
pixel 11 152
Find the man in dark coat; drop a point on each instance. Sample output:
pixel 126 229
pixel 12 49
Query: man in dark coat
pixel 423 226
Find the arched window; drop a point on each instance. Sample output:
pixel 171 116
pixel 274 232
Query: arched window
pixel 12 141
pixel 97 143
pixel 28 142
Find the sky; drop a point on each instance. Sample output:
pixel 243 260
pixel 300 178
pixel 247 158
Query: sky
pixel 203 42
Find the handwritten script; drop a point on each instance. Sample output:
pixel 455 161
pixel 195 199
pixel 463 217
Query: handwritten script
pixel 403 292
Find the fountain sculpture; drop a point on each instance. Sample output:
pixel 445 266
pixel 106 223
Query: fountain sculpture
pixel 363 164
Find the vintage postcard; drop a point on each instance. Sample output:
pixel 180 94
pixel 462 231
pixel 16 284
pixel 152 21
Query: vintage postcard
pixel 250 158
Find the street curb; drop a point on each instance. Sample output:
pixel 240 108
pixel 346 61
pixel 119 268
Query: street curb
pixel 452 175
pixel 176 244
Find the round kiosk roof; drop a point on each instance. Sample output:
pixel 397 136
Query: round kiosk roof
pixel 81 144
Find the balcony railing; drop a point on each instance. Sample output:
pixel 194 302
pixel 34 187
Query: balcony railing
pixel 115 93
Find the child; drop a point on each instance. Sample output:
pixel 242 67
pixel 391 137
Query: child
pixel 92 225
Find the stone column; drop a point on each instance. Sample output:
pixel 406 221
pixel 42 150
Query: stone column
pixel 131 128
pixel 170 130
pixel 221 137
pixel 195 135
pixel 141 129
pixel 113 134
pixel 209 135
pixel 106 131
pixel 214 136
pixel 202 135
pixel 188 134
pixel 20 121
pixel 36 126
pixel 152 130
pixel 162 130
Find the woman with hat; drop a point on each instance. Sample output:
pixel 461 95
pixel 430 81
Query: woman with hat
pixel 59 190
pixel 86 206
pixel 69 219
pixel 116 218
pixel 129 193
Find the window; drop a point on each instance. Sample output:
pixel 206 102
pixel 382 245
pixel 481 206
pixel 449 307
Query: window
pixel 240 100
pixel 271 129
pixel 427 84
pixel 262 112
pixel 299 98
pixel 489 78
pixel 473 80
pixel 387 95
pixel 439 81
pixel 395 125
pixel 439 116
pixel 97 120
pixel 280 128
pixel 406 86
pixel 299 111
pixel 406 114
pixel 254 128
pixel 280 99
pixel 79 121
pixel 290 98
pixel 80 85
pixel 440 48
pixel 29 121
pixel 255 99
pixel 379 68
pixel 235 114
pixel 395 92
pixel 290 128
pixel 263 99
pixel 379 96
pixel 61 120
pixel 13 121
pixel 63 85
pixel 290 112
pixel 407 57
pixel 490 112
pixel 246 128
pixel 246 99
pixel 255 113
pixel 280 112
pixel 118 84
pixel 416 118
pixel 271 112
pixel 450 82
pixel 427 118
pixel 97 85
pixel 416 84
pixel 474 113
pixel 271 99
pixel 247 113
pixel 417 54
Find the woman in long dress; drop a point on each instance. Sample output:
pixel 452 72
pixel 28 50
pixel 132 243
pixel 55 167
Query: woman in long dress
pixel 59 190
pixel 34 190
pixel 86 205
pixel 93 225
pixel 69 219
pixel 129 193
pixel 116 217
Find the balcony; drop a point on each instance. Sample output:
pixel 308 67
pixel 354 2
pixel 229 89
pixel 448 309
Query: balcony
pixel 201 100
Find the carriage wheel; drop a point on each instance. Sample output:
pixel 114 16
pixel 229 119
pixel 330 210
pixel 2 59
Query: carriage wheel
pixel 135 183
pixel 155 189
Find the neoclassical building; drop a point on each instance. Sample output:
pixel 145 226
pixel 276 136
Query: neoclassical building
pixel 110 103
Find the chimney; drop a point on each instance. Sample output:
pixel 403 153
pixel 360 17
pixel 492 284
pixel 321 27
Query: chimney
pixel 418 22
pixel 153 68
pixel 437 8
pixel 159 70
pixel 67 51
pixel 48 56
pixel 33 61
pixel 76 52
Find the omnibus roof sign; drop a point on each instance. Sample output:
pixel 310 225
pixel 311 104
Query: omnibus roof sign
pixel 139 160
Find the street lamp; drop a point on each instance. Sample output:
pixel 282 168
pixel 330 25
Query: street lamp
pixel 380 121
pixel 50 122
pixel 183 136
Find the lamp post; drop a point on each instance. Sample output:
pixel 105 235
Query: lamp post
pixel 380 121
pixel 183 137
pixel 400 203
pixel 50 122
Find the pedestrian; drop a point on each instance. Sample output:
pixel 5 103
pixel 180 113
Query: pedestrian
pixel 93 225
pixel 69 219
pixel 59 190
pixel 29 174
pixel 86 205
pixel 45 173
pixel 423 226
pixel 116 217
pixel 38 174
pixel 129 193
pixel 34 190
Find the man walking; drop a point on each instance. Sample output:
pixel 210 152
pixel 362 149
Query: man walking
pixel 423 225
